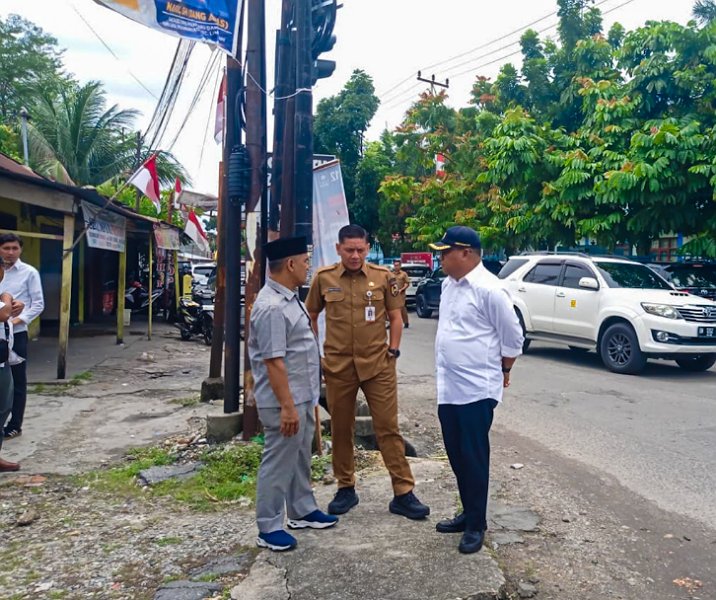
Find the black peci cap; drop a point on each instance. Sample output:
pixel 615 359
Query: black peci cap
pixel 285 247
pixel 460 236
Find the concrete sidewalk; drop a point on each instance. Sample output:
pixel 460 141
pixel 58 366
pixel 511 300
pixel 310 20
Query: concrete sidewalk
pixel 374 555
pixel 88 347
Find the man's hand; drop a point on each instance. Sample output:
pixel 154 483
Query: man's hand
pixel 17 308
pixel 505 379
pixel 289 421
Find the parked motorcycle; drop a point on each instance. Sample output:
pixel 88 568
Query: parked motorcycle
pixel 196 316
pixel 136 297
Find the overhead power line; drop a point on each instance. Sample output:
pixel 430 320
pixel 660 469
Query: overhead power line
pixel 112 52
pixel 402 96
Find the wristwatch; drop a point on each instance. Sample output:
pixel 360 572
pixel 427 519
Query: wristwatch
pixel 506 370
pixel 395 352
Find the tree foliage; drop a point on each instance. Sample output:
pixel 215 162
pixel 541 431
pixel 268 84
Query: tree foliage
pixel 30 64
pixel 612 139
pixel 340 124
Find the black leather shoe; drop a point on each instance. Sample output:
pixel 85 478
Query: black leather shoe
pixel 345 499
pixel 471 542
pixel 409 506
pixel 454 525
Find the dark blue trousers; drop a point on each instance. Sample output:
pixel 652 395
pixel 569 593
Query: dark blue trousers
pixel 466 434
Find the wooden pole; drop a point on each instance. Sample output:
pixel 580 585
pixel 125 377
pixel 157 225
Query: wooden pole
pixel 177 284
pixel 121 291
pixel 217 342
pixel 149 285
pixel 65 295
pixel 81 286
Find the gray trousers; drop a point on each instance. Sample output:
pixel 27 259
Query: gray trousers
pixel 6 395
pixel 284 480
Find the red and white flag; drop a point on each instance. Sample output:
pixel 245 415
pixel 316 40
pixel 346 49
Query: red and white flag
pixel 220 118
pixel 147 182
pixel 196 232
pixel 440 165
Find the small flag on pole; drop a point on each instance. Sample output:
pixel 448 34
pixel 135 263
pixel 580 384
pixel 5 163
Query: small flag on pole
pixel 196 232
pixel 147 182
pixel 220 117
pixel 440 165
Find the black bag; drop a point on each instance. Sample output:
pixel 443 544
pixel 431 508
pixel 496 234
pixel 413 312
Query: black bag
pixel 5 345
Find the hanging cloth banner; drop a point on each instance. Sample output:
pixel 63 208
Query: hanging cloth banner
pixel 167 238
pixel 105 230
pixel 210 21
pixel 330 212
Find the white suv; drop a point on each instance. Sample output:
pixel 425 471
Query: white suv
pixel 621 308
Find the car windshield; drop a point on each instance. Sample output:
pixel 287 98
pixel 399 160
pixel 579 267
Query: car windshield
pixel 628 275
pixel 416 271
pixel 206 271
pixel 703 276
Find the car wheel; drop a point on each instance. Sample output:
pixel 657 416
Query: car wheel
pixel 421 308
pixel 700 362
pixel 620 352
pixel 526 343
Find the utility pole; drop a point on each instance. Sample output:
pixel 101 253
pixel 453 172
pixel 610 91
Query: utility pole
pixel 256 144
pixel 304 121
pixel 282 89
pixel 433 83
pixel 232 244
pixel 217 341
pixel 24 118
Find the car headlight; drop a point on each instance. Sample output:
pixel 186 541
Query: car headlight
pixel 661 310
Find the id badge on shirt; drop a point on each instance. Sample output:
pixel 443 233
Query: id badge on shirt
pixel 370 314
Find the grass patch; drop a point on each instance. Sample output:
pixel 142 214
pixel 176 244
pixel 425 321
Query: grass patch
pixel 319 466
pixel 229 474
pixel 80 377
pixel 188 401
pixel 168 541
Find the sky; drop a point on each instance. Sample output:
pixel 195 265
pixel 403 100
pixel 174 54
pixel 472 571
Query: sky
pixel 389 39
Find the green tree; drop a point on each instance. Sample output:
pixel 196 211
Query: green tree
pixel 377 163
pixel 9 142
pixel 704 11
pixel 75 138
pixel 340 124
pixel 30 64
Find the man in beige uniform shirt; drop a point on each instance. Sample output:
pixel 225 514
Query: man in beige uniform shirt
pixel 356 297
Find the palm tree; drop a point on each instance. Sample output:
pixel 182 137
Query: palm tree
pixel 704 11
pixel 75 139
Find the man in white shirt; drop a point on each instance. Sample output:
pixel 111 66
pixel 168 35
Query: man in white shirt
pixel 478 340
pixel 22 281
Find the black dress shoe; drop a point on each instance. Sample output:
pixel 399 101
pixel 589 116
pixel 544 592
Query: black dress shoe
pixel 454 525
pixel 471 542
pixel 345 499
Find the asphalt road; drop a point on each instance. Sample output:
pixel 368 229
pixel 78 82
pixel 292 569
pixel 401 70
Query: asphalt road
pixel 655 433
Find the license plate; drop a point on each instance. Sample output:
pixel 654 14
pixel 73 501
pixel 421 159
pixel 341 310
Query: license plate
pixel 708 332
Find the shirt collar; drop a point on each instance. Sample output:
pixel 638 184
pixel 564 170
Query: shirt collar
pixel 16 266
pixel 281 289
pixel 473 276
pixel 342 269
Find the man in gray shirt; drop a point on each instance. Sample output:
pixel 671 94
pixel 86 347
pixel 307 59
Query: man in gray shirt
pixel 285 363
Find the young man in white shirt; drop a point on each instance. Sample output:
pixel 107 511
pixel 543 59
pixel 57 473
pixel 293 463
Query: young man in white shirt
pixel 22 281
pixel 478 340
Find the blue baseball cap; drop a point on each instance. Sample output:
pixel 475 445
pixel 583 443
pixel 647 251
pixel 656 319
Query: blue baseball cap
pixel 460 236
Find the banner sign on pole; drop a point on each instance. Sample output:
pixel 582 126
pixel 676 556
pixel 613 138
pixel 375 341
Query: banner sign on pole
pixel 330 213
pixel 167 238
pixel 210 21
pixel 105 230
